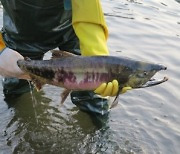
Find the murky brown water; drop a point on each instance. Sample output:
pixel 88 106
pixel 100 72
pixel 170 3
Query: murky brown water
pixel 145 121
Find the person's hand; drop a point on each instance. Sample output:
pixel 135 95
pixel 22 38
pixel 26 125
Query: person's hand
pixel 8 64
pixel 110 89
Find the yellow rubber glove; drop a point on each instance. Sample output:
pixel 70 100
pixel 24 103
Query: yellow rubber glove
pixel 110 89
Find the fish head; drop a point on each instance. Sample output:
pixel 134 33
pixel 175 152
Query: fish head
pixel 142 75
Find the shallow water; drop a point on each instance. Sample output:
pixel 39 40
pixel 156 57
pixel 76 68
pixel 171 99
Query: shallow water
pixel 145 120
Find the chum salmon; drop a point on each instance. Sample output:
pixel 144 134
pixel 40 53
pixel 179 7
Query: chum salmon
pixel 78 73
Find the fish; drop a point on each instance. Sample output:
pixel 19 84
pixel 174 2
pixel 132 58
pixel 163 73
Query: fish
pixel 81 73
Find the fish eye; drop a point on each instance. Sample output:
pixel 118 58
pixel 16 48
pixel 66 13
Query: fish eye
pixel 145 73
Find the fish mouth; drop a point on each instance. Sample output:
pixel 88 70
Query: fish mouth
pixel 153 82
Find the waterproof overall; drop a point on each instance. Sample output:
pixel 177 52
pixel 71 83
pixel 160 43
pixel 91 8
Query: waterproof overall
pixel 34 27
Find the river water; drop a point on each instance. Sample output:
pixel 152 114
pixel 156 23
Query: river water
pixel 145 121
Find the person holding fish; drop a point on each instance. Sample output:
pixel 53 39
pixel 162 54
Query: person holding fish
pixel 31 28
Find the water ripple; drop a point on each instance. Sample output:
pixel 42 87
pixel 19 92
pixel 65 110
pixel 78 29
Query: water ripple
pixel 145 120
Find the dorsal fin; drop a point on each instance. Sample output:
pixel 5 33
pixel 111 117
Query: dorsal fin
pixel 61 54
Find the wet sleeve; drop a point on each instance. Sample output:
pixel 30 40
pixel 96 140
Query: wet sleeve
pixel 90 27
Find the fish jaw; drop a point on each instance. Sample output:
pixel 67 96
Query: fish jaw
pixel 153 82
pixel 158 67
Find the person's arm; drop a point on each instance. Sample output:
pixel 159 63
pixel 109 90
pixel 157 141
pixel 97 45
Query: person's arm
pixel 90 27
pixel 8 62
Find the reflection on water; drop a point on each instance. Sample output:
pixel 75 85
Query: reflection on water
pixel 145 121
pixel 44 127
